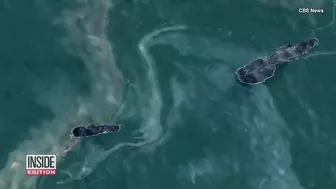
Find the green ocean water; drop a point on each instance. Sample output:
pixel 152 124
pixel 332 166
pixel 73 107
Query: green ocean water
pixel 165 71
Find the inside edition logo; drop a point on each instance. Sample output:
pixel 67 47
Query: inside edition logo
pixel 41 165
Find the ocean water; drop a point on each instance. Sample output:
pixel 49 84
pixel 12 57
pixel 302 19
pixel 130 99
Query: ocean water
pixel 165 71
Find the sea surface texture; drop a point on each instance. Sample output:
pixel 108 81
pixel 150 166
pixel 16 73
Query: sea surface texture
pixel 165 71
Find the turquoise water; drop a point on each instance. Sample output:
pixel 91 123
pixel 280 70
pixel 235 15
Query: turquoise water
pixel 165 71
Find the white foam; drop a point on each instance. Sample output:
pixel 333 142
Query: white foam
pixel 203 168
pixel 266 121
pixel 67 107
pixel 332 22
pixel 151 128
